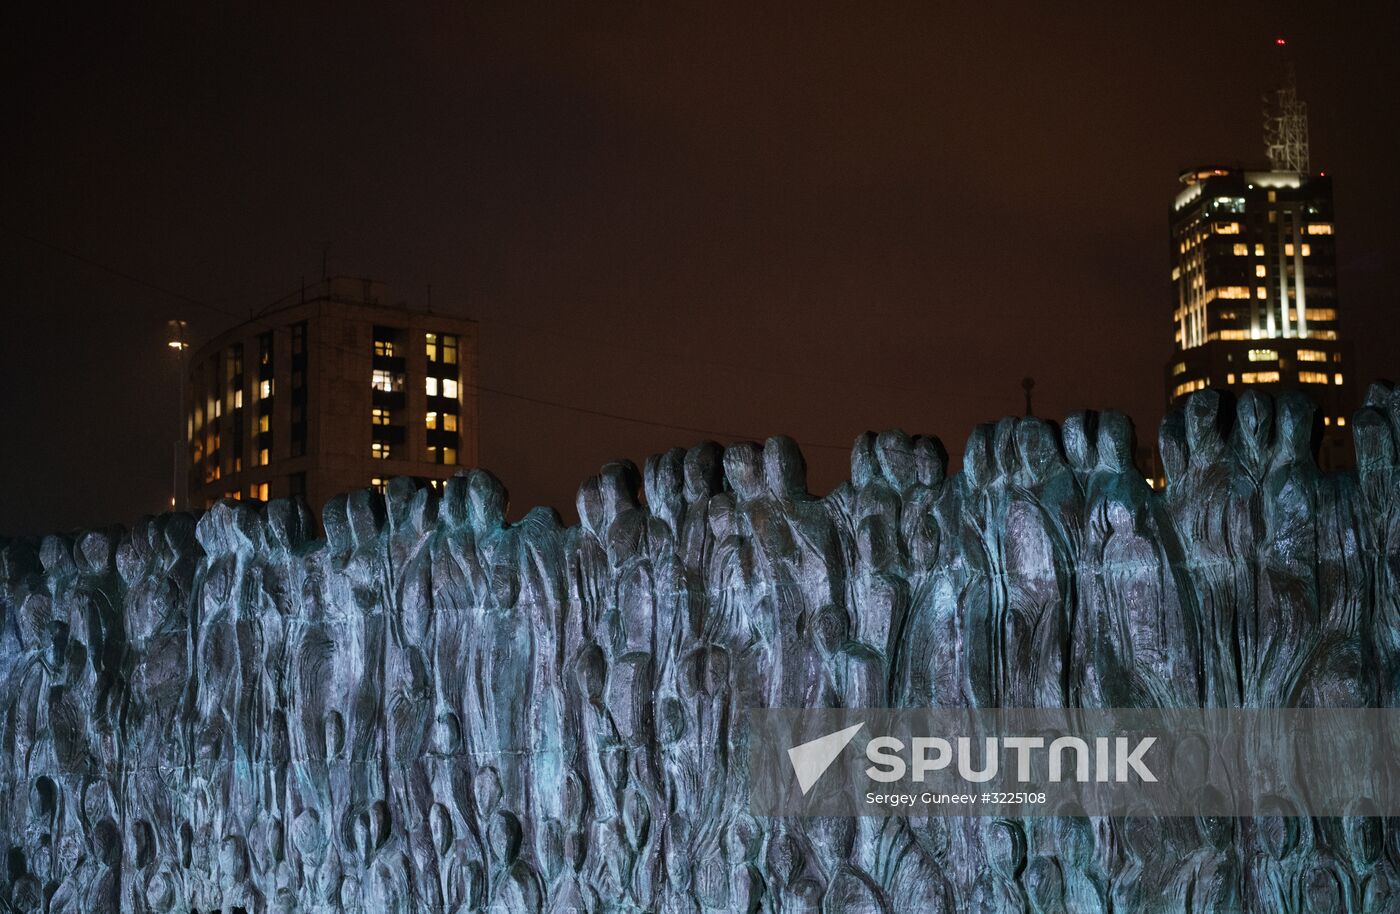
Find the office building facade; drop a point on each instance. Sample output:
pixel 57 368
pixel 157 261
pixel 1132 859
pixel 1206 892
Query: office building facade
pixel 331 389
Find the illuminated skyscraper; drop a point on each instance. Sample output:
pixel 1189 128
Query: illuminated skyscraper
pixel 331 389
pixel 1254 279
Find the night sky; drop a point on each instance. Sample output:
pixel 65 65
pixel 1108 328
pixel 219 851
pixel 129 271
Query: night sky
pixel 807 218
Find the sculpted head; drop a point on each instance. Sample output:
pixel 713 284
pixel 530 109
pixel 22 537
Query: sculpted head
pixel 703 474
pixel 288 523
pixel 440 827
pixel 1078 433
pixel 864 465
pixel 1203 432
pixel 1037 446
pixel 895 452
pixel 930 460
pixel 453 508
pixel 95 552
pixel 1374 447
pixel 743 468
pixel 1004 458
pixel 784 469
pixel 1295 426
pixel 589 504
pixel 619 482
pixel 486 501
pixel 336 523
pixel 1115 442
pixel 1171 444
pixel 365 512
pixel 398 499
pixel 664 483
pixel 215 529
pixel 977 465
pixel 135 553
pixel 1254 425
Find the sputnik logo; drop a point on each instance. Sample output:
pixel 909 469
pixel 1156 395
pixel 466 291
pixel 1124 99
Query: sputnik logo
pixel 811 759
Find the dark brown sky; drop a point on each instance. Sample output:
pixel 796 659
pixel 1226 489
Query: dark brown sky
pixel 810 218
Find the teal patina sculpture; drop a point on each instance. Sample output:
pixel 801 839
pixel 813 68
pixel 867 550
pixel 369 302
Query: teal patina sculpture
pixel 432 709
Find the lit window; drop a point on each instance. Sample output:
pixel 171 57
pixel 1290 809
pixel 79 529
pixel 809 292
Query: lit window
pixel 1234 334
pixel 1230 378
pixel 432 346
pixel 1261 292
pixel 218 408
pixel 449 388
pixel 1312 377
pixel 264 423
pixel 1226 228
pixel 1288 250
pixel 1322 314
pixel 1263 355
pixel 262 457
pixel 1176 273
pixel 384 347
pixel 1307 250
pixel 1323 334
pixel 377 483
pixel 1258 250
pixel 449 455
pixel 1259 377
pixel 386 381
pixel 258 491
pixel 265 388
pixel 1179 368
pixel 1241 250
pixel 379 450
pixel 1259 269
pixel 238 399
pixel 449 350
pixel 1227 292
pixel 432 421
pixel 1311 355
pixel 1186 387
pixel 432 384
pixel 1319 228
pixel 379 416
pixel 1341 420
pixel 1326 420
pixel 1337 379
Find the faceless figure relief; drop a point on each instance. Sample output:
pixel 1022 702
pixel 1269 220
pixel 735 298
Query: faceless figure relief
pixel 435 708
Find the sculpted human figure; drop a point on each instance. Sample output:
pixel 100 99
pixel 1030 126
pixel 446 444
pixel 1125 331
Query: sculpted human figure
pixel 704 479
pixel 743 618
pixel 1202 518
pixel 977 565
pixel 1137 645
pixel 1041 510
pixel 1378 501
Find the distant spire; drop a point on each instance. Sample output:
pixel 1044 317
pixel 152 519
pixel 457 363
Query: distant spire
pixel 1286 120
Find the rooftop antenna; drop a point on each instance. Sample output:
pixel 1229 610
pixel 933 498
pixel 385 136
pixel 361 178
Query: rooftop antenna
pixel 1286 119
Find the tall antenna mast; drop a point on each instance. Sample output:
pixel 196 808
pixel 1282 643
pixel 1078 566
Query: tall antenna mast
pixel 1286 120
